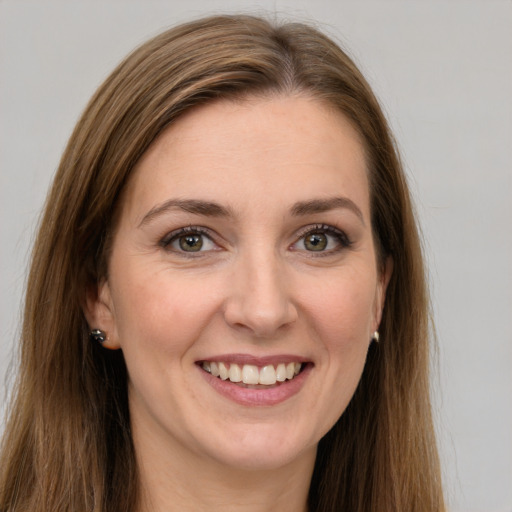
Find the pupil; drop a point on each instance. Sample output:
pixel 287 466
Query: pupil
pixel 191 243
pixel 316 242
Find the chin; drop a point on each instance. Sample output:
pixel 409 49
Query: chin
pixel 256 461
pixel 263 450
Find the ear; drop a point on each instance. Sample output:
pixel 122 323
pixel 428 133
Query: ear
pixel 382 285
pixel 100 314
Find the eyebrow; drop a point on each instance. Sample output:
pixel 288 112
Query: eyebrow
pixel 324 205
pixel 195 206
pixel 211 209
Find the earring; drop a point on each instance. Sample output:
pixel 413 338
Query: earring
pixel 376 336
pixel 98 335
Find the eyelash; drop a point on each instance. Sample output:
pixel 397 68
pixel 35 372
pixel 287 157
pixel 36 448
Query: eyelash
pixel 325 229
pixel 341 237
pixel 187 230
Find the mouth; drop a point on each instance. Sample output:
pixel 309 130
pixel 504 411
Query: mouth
pixel 256 381
pixel 253 376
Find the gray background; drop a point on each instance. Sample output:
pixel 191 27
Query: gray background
pixel 443 73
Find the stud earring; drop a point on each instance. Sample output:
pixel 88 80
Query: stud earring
pixel 98 335
pixel 376 336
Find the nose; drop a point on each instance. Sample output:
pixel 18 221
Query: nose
pixel 259 299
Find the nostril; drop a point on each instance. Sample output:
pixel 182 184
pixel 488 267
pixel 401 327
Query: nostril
pixel 262 320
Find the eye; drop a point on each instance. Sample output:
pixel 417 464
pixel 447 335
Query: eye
pixel 322 239
pixel 189 240
pixel 316 241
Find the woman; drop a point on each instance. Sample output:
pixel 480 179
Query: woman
pixel 226 306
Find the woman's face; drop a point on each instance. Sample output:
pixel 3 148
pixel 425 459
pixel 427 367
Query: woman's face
pixel 244 250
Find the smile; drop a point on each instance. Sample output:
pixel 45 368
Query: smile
pixel 250 374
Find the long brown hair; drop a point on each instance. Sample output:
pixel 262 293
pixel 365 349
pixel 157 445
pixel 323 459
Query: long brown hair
pixel 67 444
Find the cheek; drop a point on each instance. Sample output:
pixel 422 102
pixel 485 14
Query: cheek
pixel 342 310
pixel 339 314
pixel 161 313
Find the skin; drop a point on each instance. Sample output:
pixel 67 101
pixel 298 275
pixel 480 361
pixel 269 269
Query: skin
pixel 254 288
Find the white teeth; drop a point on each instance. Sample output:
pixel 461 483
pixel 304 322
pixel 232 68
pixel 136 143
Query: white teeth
pixel 223 371
pixel 281 372
pixel 235 373
pixel 267 375
pixel 214 369
pixel 250 374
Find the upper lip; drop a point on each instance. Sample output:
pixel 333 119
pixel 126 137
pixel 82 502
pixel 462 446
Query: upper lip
pixel 242 359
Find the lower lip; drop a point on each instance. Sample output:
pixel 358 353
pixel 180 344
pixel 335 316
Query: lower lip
pixel 260 396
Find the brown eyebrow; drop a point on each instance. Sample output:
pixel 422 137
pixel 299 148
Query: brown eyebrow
pixel 211 209
pixel 195 206
pixel 324 205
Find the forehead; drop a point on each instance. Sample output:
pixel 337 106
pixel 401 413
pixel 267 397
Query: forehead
pixel 283 147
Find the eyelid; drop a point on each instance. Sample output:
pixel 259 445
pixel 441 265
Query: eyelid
pixel 166 241
pixel 343 239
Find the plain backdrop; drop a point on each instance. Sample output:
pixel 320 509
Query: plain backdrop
pixel 443 72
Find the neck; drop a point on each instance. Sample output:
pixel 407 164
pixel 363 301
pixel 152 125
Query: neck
pixel 184 481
